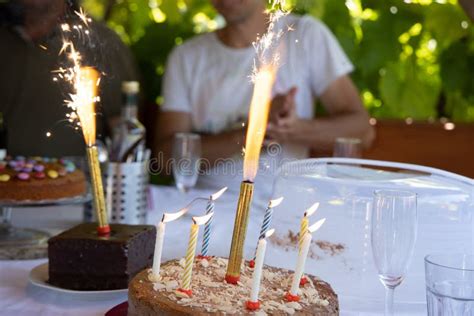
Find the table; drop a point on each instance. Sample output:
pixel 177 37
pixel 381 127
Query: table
pixel 347 214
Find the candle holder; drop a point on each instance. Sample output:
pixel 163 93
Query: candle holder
pixel 240 231
pixel 97 190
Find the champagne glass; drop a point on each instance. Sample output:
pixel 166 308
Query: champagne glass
pixel 394 227
pixel 186 160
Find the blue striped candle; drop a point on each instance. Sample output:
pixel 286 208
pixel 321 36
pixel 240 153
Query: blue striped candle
pixel 207 230
pixel 267 218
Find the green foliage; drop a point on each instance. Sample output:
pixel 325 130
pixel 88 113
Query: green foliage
pixel 412 57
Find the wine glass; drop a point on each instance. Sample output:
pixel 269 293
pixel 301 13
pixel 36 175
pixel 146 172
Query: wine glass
pixel 186 160
pixel 394 227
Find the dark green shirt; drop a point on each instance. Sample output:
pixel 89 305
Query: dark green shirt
pixel 33 104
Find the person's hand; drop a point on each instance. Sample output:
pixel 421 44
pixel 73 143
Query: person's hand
pixel 283 105
pixel 284 122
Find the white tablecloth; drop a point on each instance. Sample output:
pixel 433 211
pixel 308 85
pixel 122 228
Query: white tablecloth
pixel 18 298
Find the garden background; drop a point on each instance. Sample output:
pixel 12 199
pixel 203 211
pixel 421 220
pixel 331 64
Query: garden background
pixel 414 58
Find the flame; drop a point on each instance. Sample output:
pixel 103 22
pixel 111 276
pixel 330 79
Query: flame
pixel 201 220
pixel 310 211
pixel 263 77
pixel 316 226
pixel 258 117
pixel 84 101
pixel 275 202
pixel 169 217
pixel 218 194
pixel 269 233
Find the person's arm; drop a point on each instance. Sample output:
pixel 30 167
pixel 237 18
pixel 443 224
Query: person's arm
pixel 347 118
pixel 214 147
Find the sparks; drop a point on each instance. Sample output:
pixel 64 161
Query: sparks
pixel 84 82
pixel 83 16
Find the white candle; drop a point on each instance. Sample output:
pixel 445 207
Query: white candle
pixel 160 236
pixel 257 272
pixel 253 304
pixel 302 255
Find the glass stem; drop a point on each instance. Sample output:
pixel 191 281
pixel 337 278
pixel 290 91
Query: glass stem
pixel 389 301
pixel 5 218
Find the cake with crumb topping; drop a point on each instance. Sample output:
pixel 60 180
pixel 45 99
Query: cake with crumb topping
pixel 213 296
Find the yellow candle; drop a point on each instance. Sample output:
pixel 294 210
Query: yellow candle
pixel 293 293
pixel 303 229
pixel 191 253
pixel 305 222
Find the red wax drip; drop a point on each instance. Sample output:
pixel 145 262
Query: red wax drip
pixel 303 281
pixel 103 230
pixel 232 279
pixel 253 306
pixel 201 257
pixel 189 293
pixel 252 264
pixel 292 298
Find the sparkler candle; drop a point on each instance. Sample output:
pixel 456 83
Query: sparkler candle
pixel 258 117
pixel 266 223
pixel 253 303
pixel 292 295
pixel 263 77
pixel 190 253
pixel 207 229
pixel 160 236
pixel 83 102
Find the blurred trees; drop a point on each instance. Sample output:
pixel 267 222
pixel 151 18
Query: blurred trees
pixel 413 58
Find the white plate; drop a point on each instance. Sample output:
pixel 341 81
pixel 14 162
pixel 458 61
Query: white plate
pixel 39 278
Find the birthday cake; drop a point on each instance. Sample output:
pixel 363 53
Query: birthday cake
pixel 80 259
pixel 211 295
pixel 39 179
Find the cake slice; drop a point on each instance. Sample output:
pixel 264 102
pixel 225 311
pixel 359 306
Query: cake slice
pixel 79 259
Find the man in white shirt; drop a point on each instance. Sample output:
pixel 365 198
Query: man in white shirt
pixel 207 88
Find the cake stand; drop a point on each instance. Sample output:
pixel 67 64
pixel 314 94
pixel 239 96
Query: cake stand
pixel 27 243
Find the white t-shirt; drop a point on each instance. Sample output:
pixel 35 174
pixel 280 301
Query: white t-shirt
pixel 211 81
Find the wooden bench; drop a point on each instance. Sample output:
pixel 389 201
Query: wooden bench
pixel 428 144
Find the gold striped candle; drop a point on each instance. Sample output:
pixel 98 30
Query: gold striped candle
pixel 293 294
pixel 305 222
pixel 303 230
pixel 190 254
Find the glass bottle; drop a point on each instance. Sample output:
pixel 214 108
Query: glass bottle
pixel 129 135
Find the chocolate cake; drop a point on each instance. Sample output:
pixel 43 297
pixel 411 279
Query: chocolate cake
pixel 38 178
pixel 212 296
pixel 79 259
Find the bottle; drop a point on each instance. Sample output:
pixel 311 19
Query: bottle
pixel 3 138
pixel 129 135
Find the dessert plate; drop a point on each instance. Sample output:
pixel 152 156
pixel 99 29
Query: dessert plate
pixel 79 199
pixel 118 310
pixel 39 278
